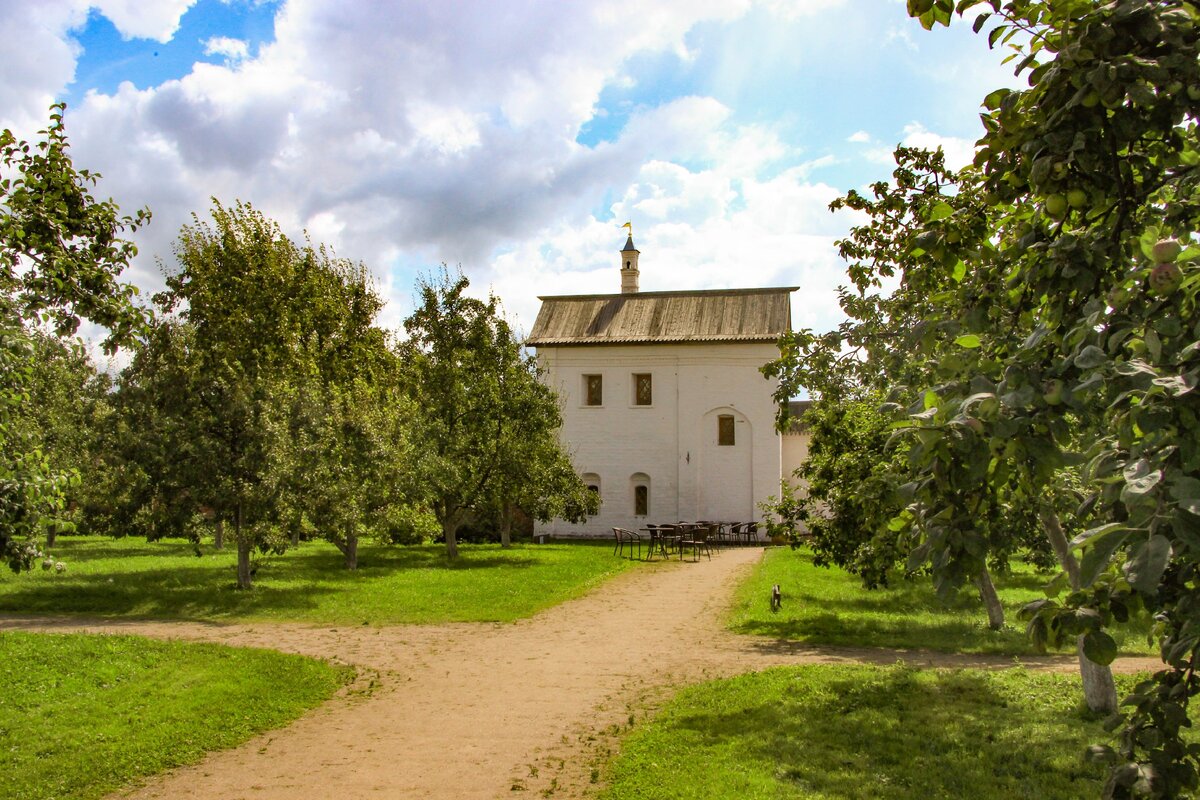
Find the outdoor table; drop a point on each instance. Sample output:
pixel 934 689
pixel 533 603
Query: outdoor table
pixel 659 536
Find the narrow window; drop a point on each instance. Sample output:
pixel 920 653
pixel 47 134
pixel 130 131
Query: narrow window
pixel 643 389
pixel 641 500
pixel 725 435
pixel 592 481
pixel 593 390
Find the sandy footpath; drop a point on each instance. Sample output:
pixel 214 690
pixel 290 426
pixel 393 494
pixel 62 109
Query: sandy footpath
pixel 487 711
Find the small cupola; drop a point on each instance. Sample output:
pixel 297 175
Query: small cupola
pixel 629 267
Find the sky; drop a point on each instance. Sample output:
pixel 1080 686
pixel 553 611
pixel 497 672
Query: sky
pixel 511 138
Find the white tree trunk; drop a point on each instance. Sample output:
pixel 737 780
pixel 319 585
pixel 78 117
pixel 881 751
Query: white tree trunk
pixel 1099 690
pixel 991 600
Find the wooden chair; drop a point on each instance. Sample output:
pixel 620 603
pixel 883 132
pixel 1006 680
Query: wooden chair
pixel 626 537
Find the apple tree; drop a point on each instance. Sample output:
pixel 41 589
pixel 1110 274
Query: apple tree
pixel 256 332
pixel 1088 190
pixel 61 255
pixel 488 429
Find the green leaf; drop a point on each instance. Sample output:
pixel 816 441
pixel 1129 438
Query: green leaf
pixel 1185 488
pixel 1055 586
pixel 1099 647
pixel 1094 533
pixel 940 211
pixel 1177 385
pixel 1148 239
pixel 1139 479
pixel 1090 357
pixel 1146 564
pixel 1099 553
pixel 968 340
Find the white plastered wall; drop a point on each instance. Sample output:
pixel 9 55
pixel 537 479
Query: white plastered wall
pixel 795 453
pixel 673 441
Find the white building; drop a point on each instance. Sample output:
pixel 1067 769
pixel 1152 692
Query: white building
pixel 665 411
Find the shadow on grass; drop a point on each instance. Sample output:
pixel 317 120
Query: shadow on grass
pixel 165 580
pixel 321 564
pixel 823 605
pixel 889 735
pixel 832 628
pixel 170 592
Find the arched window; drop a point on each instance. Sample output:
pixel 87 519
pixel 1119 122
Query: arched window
pixel 640 482
pixel 592 481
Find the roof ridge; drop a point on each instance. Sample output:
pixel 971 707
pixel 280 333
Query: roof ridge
pixel 670 292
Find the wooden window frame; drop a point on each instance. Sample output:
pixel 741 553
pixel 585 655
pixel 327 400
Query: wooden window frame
pixel 637 389
pixel 726 430
pixel 598 396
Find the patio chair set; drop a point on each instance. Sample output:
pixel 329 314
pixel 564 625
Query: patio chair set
pixel 684 537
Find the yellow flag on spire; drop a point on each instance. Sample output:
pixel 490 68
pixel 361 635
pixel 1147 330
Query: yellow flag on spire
pixel 628 225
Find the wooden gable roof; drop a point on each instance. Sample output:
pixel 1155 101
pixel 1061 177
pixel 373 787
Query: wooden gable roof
pixel 709 315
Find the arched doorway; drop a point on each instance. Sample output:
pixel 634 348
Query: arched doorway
pixel 726 488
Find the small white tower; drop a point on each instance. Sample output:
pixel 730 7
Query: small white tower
pixel 629 267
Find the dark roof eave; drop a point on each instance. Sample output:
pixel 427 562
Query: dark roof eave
pixel 577 342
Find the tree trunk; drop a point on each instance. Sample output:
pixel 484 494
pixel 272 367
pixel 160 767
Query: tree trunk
pixel 296 536
pixel 450 531
pixel 991 600
pixel 219 536
pixel 1062 548
pixel 351 549
pixel 506 525
pixel 1099 690
pixel 244 578
pixel 51 536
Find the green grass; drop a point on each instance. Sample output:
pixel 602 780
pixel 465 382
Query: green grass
pixel 865 733
pixel 165 580
pixel 829 606
pixel 85 715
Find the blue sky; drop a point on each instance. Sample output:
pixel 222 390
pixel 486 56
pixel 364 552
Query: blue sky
pixel 107 58
pixel 509 138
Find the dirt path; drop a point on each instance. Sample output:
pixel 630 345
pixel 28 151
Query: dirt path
pixel 489 711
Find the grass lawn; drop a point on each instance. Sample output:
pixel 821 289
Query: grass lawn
pixel 829 606
pixel 857 733
pixel 165 580
pixel 85 715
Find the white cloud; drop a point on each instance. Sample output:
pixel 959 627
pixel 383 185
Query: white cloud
pixel 902 36
pixel 959 152
pixel 696 228
pixel 232 49
pixel 407 134
pixel 139 19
